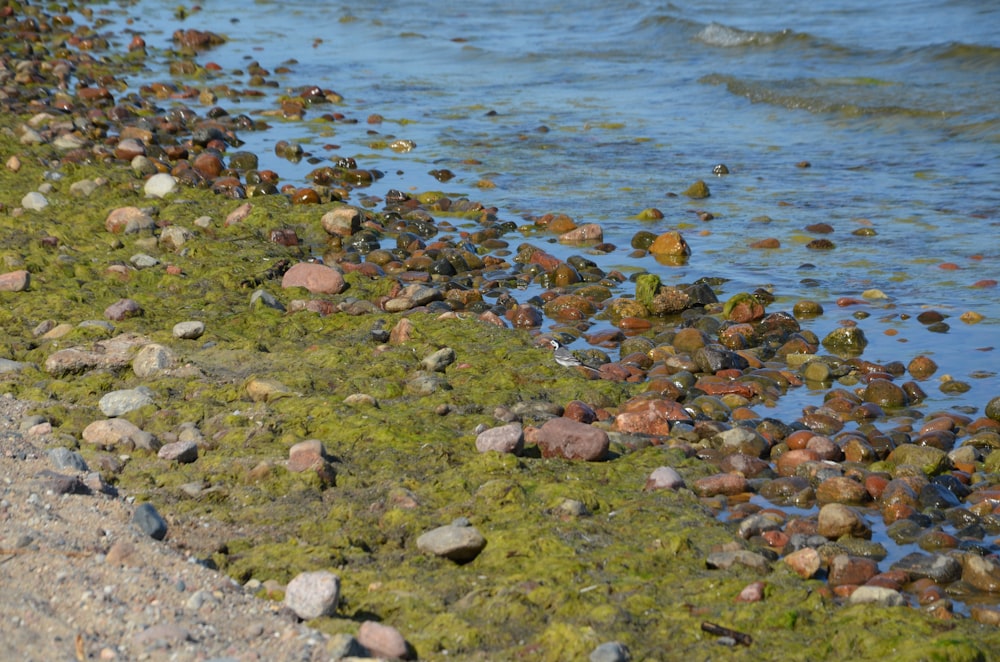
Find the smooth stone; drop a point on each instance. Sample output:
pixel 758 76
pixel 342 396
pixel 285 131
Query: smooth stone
pixel 161 635
pixel 850 570
pixel 384 641
pixel 343 221
pixel 664 478
pixel 188 330
pixel 727 484
pixel 150 521
pixel 804 562
pixel 930 460
pixel 161 185
pixel 143 261
pixel 121 402
pixel 64 458
pixel 571 440
pixel 981 573
pixel 726 560
pixel 122 309
pixel 939 568
pixel 439 360
pixel 313 594
pixel 267 390
pixel 878 595
pixel 15 281
pixel 611 651
pixel 151 360
pixel 184 452
pixel 503 439
pixel 6 365
pixel 115 432
pixel 317 278
pixel 836 520
pixel 457 543
pixel 128 220
pixel 34 201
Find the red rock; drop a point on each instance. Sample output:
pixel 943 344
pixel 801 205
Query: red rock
pixel 652 417
pixel 127 220
pixel 317 278
pixel 524 316
pixel 790 461
pixel 572 440
pixel 851 570
pixel 310 455
pixel 752 592
pixel 580 411
pixel 726 484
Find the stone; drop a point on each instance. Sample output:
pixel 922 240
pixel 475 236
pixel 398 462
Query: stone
pixel 571 440
pixel 879 595
pixel 188 330
pixel 313 594
pixel 670 243
pixel 34 201
pixel 267 390
pixel 848 570
pixel 343 221
pixel 161 635
pixel 161 185
pixel 610 651
pixel 439 360
pixel 930 460
pixel 6 365
pixel 15 281
pixel 123 401
pixel 726 560
pixel 804 562
pixel 128 220
pixel 173 237
pixel 184 452
pixel 664 478
pixel 64 458
pixel 716 484
pixel 317 278
pixel 981 573
pixel 753 592
pixel 837 520
pixel 841 489
pixel 122 309
pixel 503 439
pixel 310 455
pixel 384 641
pixel 115 432
pixel 150 521
pixel 585 232
pixel 151 360
pixel 457 543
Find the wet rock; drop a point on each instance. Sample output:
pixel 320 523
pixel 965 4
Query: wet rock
pixel 161 185
pixel 504 439
pixel 117 403
pixel 317 278
pixel 847 570
pixel 343 221
pixel 992 410
pixel 940 568
pixel 457 543
pixel 664 478
pixel 697 191
pixel 384 641
pixel 928 459
pixel 313 594
pixel 726 484
pixel 586 232
pixel 183 452
pixel 150 521
pixel 804 562
pixel 610 651
pixel 713 358
pixel 571 440
pixel 671 244
pixel 878 595
pixel 15 281
pixel 846 341
pixel 981 573
pixel 836 520
pixel 840 489
pixel 885 394
pixel 118 432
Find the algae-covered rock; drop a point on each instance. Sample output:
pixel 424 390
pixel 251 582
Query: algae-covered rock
pixel 697 191
pixel 646 287
pixel 670 244
pixel 931 461
pixel 993 408
pixel 848 340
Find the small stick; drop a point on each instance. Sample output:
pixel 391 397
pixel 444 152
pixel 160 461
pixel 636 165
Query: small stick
pixel 720 631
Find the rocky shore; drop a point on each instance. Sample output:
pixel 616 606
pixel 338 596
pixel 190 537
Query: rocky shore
pixel 252 420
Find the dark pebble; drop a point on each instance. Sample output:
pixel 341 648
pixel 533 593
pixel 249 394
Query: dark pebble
pixel 150 522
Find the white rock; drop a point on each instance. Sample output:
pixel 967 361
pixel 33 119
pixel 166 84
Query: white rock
pixel 160 185
pixel 34 201
pixel 188 330
pixel 121 402
pixel 313 594
pixel 880 595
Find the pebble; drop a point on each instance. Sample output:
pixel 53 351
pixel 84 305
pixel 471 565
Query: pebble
pixel 503 439
pixel 313 594
pixel 151 360
pixel 384 641
pixel 143 261
pixel 64 458
pixel 188 330
pixel 117 403
pixel 161 185
pixel 150 521
pixel 664 478
pixel 439 360
pixel 457 543
pixel 610 651
pixel 836 520
pixel 805 562
pixel 184 452
pixel 34 201
pixel 571 440
pixel 885 597
pixel 6 365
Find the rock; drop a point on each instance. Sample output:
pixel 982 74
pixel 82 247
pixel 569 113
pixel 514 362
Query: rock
pixel 841 489
pixel 664 478
pixel 846 341
pixel 697 191
pixel 122 309
pixel 161 635
pixel 939 568
pixel 188 330
pixel 6 365
pixel 342 646
pixel 317 278
pixel 726 560
pixel 586 232
pixel 313 594
pixel 15 281
pixel 160 185
pixel 384 641
pixel 836 520
pixel 928 459
pixel 184 452
pixel 670 243
pixel 566 438
pixel 34 201
pixel 151 360
pixel 128 220
pixel 267 390
pixel 981 573
pixel 753 592
pixel 611 651
pixel 112 354
pixel 439 360
pixel 173 237
pixel 264 299
pixel 310 455
pixel 457 543
pixel 885 597
pixel 149 521
pixel 121 402
pixel 504 439
pixel 343 221
pixel 804 562
pixel 727 484
pixel 992 410
pixel 115 432
pixel 64 458
pixel 847 570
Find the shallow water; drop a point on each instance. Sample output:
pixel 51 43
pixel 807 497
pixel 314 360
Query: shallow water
pixel 599 112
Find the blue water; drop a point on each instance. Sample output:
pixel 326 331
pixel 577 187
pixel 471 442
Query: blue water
pixel 599 110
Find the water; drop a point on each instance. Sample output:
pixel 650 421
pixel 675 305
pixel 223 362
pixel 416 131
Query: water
pixel 600 111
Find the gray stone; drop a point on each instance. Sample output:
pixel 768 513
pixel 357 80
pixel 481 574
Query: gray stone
pixel 937 567
pixel 264 299
pixel 504 439
pixel 83 188
pixel 878 595
pixel 149 521
pixel 6 365
pixel 143 261
pixel 726 560
pixel 611 651
pixel 152 359
pixel 68 141
pixel 664 478
pixel 184 452
pixel 160 185
pixel 313 594
pixel 188 330
pixel 457 543
pixel 439 360
pixel 121 402
pixel 64 458
pixel 34 201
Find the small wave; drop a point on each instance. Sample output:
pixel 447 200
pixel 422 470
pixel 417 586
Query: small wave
pixel 716 34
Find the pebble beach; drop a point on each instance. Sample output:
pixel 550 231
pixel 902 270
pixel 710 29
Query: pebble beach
pixel 244 417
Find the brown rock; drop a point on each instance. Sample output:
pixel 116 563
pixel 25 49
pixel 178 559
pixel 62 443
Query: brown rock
pixel 848 570
pixel 837 520
pixel 118 432
pixel 652 417
pixel 15 281
pixel 569 439
pixel 727 484
pixel 383 641
pixel 317 278
pixel 310 455
pixel 981 572
pixel 804 562
pixel 670 243
pixel 840 489
pixel 789 461
pixel 580 411
pixel 238 215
